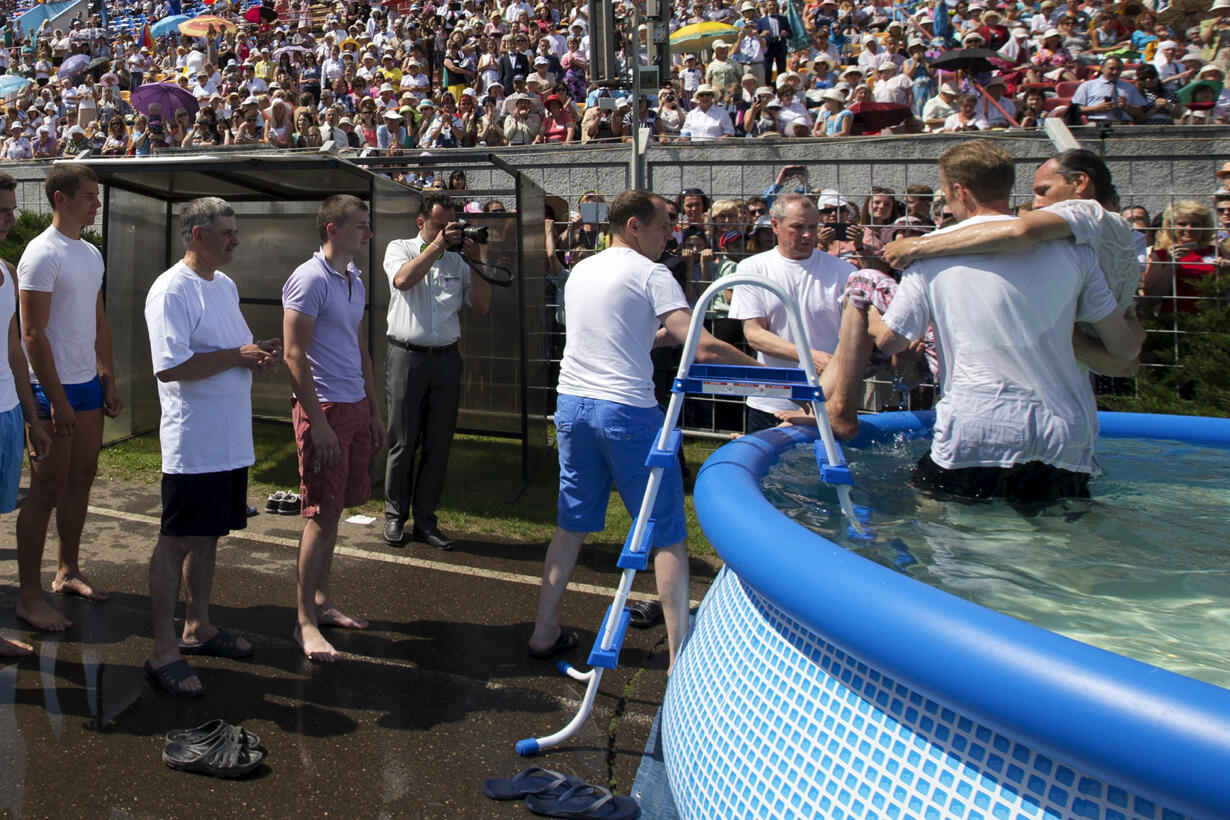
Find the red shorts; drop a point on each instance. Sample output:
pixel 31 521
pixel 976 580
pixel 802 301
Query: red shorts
pixel 326 491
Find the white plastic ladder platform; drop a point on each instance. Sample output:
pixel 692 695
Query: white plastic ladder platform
pixel 797 384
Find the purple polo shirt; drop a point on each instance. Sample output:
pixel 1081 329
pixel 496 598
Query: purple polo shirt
pixel 335 300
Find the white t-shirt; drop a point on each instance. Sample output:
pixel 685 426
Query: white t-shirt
pixel 816 285
pixel 8 305
pixel 206 423
pixel 1111 238
pixel 71 270
pixel 1012 391
pixel 613 301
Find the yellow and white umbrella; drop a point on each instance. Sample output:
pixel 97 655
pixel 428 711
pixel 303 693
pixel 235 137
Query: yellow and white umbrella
pixel 697 36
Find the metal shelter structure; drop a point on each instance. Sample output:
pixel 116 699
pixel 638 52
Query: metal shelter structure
pixel 275 200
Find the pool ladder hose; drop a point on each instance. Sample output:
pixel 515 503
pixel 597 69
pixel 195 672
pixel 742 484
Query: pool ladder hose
pixel 800 385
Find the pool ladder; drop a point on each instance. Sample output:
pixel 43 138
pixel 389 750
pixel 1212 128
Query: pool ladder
pixel 730 380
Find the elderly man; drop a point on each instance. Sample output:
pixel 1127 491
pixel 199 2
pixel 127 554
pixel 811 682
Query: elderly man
pixel 1106 98
pixel 998 114
pixel 203 358
pixel 814 278
pixel 706 122
pixel 723 73
pixel 939 108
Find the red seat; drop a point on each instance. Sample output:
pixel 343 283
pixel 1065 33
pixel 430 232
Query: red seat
pixel 1051 103
pixel 1066 89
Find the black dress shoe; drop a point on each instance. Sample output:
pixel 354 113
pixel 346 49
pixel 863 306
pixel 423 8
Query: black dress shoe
pixel 433 537
pixel 393 535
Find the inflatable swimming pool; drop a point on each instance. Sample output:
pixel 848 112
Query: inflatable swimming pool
pixel 820 684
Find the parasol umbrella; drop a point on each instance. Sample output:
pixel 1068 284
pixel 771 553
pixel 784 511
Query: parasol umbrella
pixel 10 84
pixel 292 50
pixel 168 26
pixel 966 59
pixel 97 63
pixel 1188 91
pixel 168 96
pixel 876 116
pixel 260 14
pixel 697 36
pixel 73 64
pixel 199 26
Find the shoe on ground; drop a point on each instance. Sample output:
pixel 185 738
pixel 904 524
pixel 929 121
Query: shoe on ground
pixel 289 505
pixel 274 500
pixel 433 537
pixel 394 535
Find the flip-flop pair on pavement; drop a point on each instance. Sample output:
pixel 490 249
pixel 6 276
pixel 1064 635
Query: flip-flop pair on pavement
pixel 551 794
pixel 170 678
pixel 216 748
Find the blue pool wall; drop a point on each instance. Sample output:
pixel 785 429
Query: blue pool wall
pixel 1160 736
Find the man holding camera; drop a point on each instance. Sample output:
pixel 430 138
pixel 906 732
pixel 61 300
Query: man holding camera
pixel 430 280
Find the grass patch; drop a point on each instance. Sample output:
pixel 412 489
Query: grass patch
pixel 483 474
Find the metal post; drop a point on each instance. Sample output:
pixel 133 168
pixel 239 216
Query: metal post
pixel 636 167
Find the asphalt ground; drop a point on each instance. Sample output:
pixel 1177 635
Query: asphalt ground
pixel 424 706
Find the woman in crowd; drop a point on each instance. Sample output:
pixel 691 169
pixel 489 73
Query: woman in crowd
pixel 880 209
pixel 835 119
pixel 490 125
pixel 966 118
pixel 306 134
pixel 1161 101
pixel 179 127
pixel 366 125
pixel 117 143
pixel 670 115
pixel 139 139
pixel 558 124
pixel 278 125
pixel 201 133
pixel 467 112
pixel 309 77
pixel 1184 256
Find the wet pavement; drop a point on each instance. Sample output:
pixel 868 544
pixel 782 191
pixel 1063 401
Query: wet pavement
pixel 426 703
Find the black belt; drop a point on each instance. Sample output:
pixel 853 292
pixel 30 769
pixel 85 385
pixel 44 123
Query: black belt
pixel 430 351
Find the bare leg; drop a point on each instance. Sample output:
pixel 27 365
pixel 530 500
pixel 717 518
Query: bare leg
pixel 74 499
pixel 327 613
pixel 670 569
pixel 557 569
pixel 165 567
pixel 844 375
pixel 47 478
pixel 315 549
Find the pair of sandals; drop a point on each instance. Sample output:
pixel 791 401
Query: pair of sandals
pixel 551 794
pixel 216 748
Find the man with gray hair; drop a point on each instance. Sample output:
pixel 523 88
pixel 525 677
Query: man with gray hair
pixel 203 357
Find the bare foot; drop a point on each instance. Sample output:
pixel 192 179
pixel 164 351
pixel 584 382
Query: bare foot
pixel 42 615
pixel 14 649
pixel 314 644
pixel 184 686
pixel 844 424
pixel 78 584
pixel 330 615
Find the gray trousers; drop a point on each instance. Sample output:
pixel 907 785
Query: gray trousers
pixel 423 391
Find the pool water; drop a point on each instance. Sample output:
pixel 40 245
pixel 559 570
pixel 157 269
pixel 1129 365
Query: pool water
pixel 1142 569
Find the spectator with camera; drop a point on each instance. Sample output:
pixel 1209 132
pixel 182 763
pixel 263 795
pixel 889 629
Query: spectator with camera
pixel 430 281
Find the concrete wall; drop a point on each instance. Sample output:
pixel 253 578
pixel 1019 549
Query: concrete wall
pixel 1151 165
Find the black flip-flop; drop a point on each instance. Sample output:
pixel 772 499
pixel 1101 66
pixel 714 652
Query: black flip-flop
pixel 584 801
pixel 207 731
pixel 644 614
pixel 223 755
pixel 534 780
pixel 222 645
pixel 168 678
pixel 566 642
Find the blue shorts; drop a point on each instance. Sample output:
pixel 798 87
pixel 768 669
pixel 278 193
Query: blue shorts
pixel 81 397
pixel 603 443
pixel 12 450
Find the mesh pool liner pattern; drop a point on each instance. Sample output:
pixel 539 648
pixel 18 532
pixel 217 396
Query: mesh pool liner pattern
pixel 764 719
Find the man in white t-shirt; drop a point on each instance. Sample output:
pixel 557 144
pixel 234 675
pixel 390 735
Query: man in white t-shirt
pixel 606 417
pixel 814 278
pixel 17 409
pixel 68 341
pixel 1017 419
pixel 1071 192
pixel 203 359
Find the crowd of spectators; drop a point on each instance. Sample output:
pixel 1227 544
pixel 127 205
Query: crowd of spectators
pixel 462 73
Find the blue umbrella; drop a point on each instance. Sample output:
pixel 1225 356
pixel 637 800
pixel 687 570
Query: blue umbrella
pixel 168 25
pixel 10 84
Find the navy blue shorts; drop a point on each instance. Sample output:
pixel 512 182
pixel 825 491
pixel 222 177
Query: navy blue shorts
pixel 81 397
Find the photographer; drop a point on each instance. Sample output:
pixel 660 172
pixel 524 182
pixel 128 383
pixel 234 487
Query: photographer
pixel 430 280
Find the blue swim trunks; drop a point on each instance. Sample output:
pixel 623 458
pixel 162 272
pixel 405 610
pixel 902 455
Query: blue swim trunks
pixel 604 444
pixel 12 450
pixel 81 397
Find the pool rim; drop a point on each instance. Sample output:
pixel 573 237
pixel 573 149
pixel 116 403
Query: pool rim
pixel 1159 734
